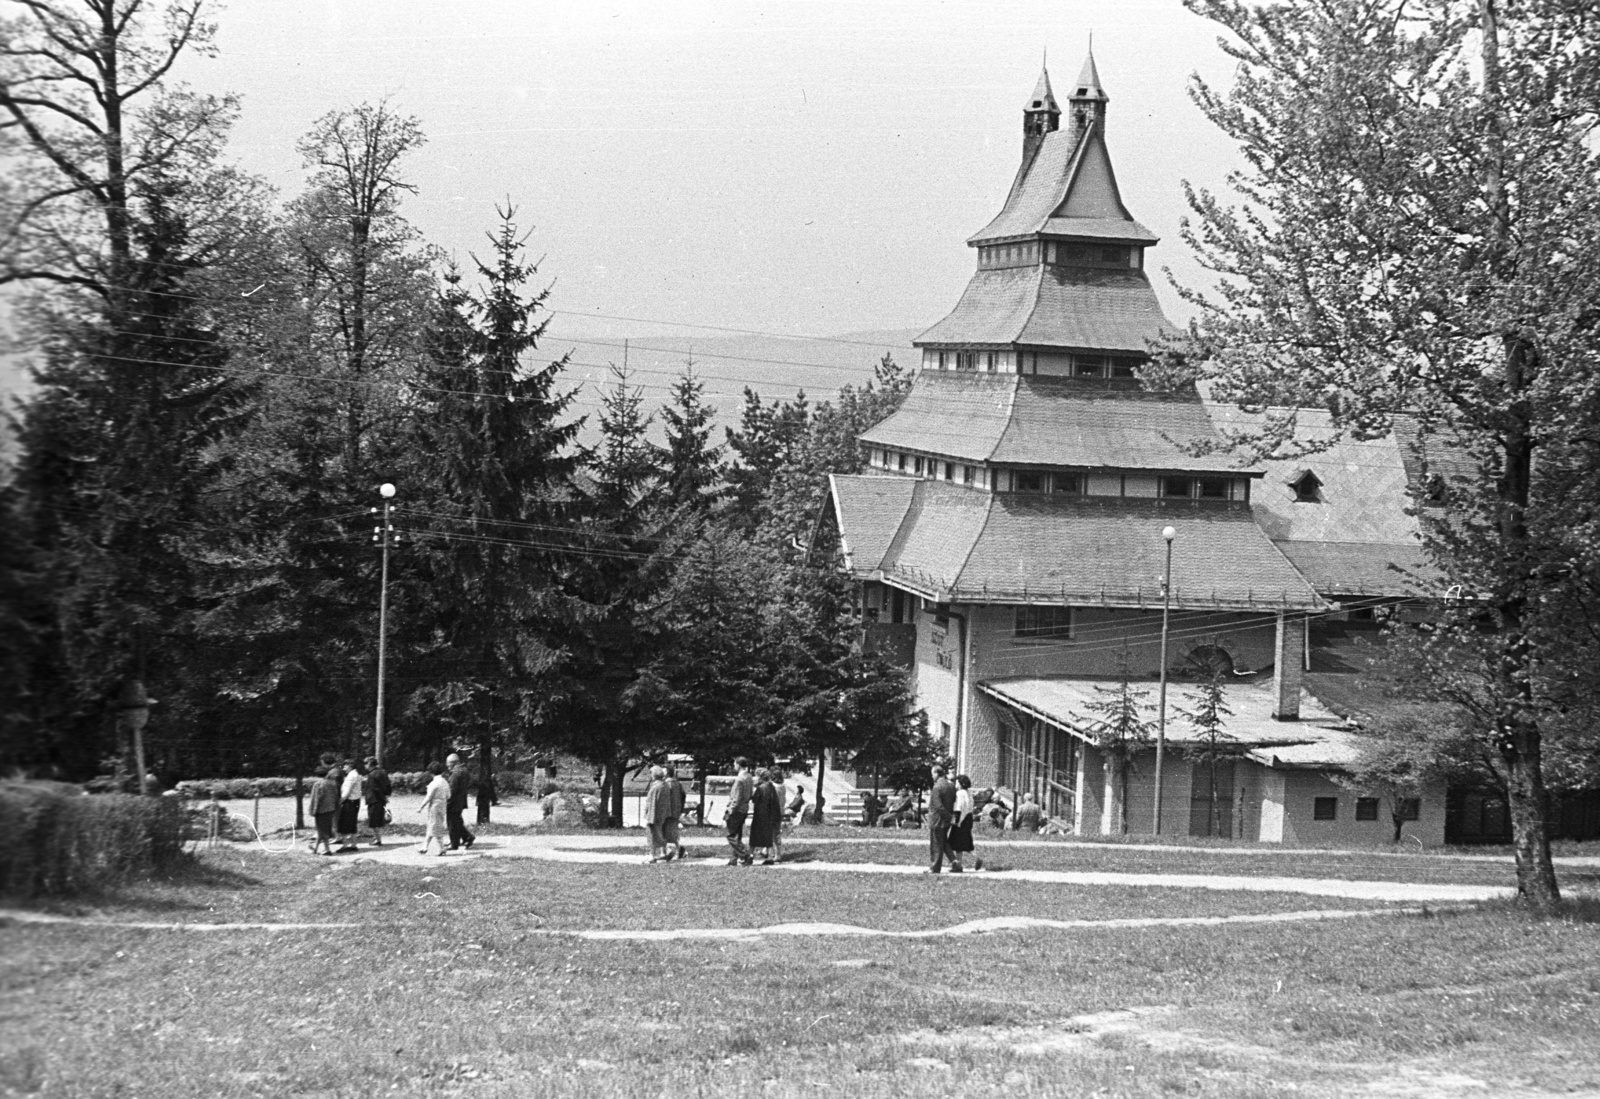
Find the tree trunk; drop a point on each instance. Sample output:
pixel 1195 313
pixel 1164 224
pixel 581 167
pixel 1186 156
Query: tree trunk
pixel 485 777
pixel 299 799
pixel 822 769
pixel 700 773
pixel 1529 803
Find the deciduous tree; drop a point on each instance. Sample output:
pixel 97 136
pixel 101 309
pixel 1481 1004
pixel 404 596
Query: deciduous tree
pixel 1415 232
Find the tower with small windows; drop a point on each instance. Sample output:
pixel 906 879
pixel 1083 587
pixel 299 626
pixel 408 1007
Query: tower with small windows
pixel 1008 535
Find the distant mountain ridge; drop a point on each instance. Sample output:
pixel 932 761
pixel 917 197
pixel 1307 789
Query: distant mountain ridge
pixel 776 367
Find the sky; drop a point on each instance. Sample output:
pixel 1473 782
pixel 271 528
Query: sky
pixel 704 168
pixel 804 168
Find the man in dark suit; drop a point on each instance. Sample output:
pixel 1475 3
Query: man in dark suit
pixel 457 805
pixel 941 815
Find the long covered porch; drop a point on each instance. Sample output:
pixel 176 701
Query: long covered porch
pixel 1048 742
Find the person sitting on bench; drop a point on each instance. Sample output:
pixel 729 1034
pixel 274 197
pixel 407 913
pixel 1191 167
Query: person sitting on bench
pixel 795 811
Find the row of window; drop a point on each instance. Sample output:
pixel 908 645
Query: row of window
pixel 1046 481
pixel 1006 362
pixel 1366 809
pixel 1026 253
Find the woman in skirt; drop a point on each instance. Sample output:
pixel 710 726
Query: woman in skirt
pixel 961 831
pixel 433 806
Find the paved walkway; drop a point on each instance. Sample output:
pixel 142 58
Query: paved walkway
pixel 627 850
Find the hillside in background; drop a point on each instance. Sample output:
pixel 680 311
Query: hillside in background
pixel 774 366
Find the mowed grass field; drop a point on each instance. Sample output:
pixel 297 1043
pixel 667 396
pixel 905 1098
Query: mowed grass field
pixel 464 979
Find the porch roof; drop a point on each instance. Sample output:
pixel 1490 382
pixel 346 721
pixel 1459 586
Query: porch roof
pixel 1317 741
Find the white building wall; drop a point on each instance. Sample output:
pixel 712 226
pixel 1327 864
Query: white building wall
pixel 1301 829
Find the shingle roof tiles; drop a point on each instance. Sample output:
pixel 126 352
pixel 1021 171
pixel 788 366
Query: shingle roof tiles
pixel 979 547
pixel 869 511
pixel 1357 538
pixel 1065 422
pixel 1077 308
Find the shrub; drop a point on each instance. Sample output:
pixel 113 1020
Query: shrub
pixel 514 782
pixel 61 840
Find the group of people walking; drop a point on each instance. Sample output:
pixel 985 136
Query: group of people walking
pixel 336 801
pixel 755 797
pixel 337 797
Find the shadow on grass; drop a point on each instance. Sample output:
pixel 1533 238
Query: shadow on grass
pixel 178 888
pixel 1570 910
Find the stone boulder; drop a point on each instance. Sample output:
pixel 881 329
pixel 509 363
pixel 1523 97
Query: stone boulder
pixel 564 809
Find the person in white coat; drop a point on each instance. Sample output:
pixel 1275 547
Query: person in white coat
pixel 434 801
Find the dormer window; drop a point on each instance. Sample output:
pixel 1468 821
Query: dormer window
pixel 1307 487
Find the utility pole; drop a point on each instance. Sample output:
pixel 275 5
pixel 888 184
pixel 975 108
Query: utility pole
pixel 1161 712
pixel 385 536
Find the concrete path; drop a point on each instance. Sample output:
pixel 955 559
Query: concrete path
pixel 971 927
pixel 626 850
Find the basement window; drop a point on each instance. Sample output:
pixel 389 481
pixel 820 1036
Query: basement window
pixel 1325 809
pixel 1409 809
pixel 1366 808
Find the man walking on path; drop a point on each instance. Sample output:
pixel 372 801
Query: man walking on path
pixel 457 805
pixel 941 814
pixel 657 804
pixel 378 790
pixel 744 787
pixel 676 799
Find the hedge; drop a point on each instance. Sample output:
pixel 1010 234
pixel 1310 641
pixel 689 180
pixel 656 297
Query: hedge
pixel 410 782
pixel 60 840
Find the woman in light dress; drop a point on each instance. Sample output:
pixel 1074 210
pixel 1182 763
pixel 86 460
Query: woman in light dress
pixel 433 804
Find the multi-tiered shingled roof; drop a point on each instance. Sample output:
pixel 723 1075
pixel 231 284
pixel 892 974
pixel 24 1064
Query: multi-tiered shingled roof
pixel 1066 191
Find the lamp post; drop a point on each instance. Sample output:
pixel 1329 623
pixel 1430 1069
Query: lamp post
pixel 1161 706
pixel 384 535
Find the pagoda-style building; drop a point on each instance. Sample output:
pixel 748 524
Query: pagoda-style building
pixel 1008 539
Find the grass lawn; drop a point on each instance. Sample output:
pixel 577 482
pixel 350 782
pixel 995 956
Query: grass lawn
pixel 467 993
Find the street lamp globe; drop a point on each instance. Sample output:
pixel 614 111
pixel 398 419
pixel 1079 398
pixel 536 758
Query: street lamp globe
pixel 1168 533
pixel 386 490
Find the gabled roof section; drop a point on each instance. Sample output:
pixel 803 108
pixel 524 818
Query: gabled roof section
pixel 1027 420
pixel 1356 538
pixel 962 545
pixel 869 511
pixel 1070 179
pixel 1070 308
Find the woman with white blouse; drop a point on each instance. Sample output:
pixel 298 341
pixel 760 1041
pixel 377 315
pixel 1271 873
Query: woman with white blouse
pixel 434 801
